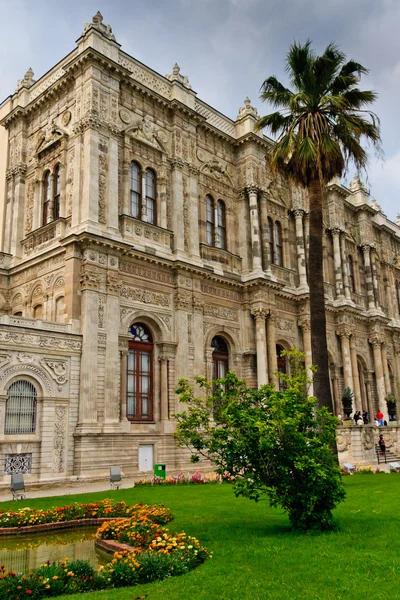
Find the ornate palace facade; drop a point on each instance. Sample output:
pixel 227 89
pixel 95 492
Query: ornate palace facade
pixel 142 240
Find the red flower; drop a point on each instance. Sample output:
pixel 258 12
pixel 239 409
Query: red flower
pixel 29 592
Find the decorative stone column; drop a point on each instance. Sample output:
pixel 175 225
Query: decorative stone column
pixel 338 262
pixel 385 366
pixel 272 358
pixel 124 367
pixel 368 276
pixel 343 256
pixel 301 257
pixel 380 379
pixel 143 206
pixel 344 335
pixel 177 205
pixel 260 314
pixel 255 229
pixel 163 387
pixel 305 326
pixel 356 378
pixel 266 258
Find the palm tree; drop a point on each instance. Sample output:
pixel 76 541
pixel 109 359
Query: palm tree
pixel 319 127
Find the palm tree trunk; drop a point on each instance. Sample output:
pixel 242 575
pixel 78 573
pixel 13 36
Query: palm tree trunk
pixel 319 346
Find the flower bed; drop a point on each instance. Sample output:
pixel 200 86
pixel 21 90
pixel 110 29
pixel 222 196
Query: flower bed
pixel 147 552
pixel 88 513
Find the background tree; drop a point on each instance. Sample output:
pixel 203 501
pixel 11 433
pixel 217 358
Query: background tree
pixel 272 443
pixel 319 127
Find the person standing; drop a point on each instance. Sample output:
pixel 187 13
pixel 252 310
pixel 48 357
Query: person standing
pixel 382 444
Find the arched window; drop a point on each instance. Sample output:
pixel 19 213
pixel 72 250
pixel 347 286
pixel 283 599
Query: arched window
pixel 38 311
pixel 46 218
pixel 210 220
pixel 271 249
pixel 139 395
pixel 135 193
pixel 20 408
pixel 278 245
pixel 57 192
pixel 350 273
pixel 150 197
pixel 220 357
pixel 282 366
pixel 221 225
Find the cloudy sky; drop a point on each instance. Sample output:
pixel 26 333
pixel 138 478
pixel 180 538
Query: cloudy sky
pixel 226 47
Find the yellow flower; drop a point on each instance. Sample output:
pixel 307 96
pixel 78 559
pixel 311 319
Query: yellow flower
pixel 55 577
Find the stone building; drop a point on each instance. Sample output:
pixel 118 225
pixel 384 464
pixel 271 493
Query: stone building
pixel 142 240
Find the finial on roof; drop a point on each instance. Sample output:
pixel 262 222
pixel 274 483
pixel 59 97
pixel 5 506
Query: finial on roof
pixel 247 109
pixel 176 76
pixel 27 81
pixel 97 23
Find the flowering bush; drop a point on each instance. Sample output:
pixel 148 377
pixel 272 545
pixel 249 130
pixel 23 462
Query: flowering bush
pixel 104 508
pixel 157 554
pixel 183 479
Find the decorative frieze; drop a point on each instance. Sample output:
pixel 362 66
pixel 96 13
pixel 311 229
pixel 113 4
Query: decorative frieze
pixel 103 171
pixel 39 341
pixel 145 296
pixel 145 272
pixel 220 312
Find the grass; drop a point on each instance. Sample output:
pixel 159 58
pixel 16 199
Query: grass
pixel 257 556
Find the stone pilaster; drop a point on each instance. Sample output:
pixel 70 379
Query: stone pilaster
pixel 112 199
pixel 266 258
pixel 90 281
pixel 385 367
pixel 89 200
pixel 374 277
pixel 260 315
pixel 112 367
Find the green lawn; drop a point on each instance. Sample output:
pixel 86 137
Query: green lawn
pixel 257 557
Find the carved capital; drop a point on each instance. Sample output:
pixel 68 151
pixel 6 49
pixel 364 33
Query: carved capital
pixel 344 331
pixel 376 340
pixel 176 163
pixel 298 213
pixel 90 278
pixel 182 300
pixel 252 189
pixel 198 304
pixel 304 323
pixel 259 312
pixel 335 231
pixel 113 284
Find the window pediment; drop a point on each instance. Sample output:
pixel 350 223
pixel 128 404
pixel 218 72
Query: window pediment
pixel 49 139
pixel 146 132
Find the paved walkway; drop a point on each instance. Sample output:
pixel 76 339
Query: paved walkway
pixel 68 489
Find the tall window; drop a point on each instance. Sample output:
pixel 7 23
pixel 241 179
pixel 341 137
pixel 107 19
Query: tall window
pixel 139 398
pixel 150 196
pixel 57 192
pixel 135 190
pixel 210 220
pixel 46 198
pixel 282 366
pixel 221 225
pixel 270 230
pixel 350 273
pixel 20 408
pixel 220 357
pixel 278 244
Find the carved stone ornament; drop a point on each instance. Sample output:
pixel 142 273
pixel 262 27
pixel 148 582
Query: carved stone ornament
pixel 5 358
pixel 18 463
pixel 343 440
pixel 58 369
pixel 176 76
pixel 367 439
pixel 125 116
pixel 66 118
pixel 59 438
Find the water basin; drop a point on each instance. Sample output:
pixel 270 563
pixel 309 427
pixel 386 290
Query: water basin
pixel 25 553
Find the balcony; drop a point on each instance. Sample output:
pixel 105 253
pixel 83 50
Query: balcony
pixel 145 236
pixel 45 237
pixel 283 275
pixel 34 323
pixel 231 263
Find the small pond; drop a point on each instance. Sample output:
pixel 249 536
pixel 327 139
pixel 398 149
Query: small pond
pixel 23 553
